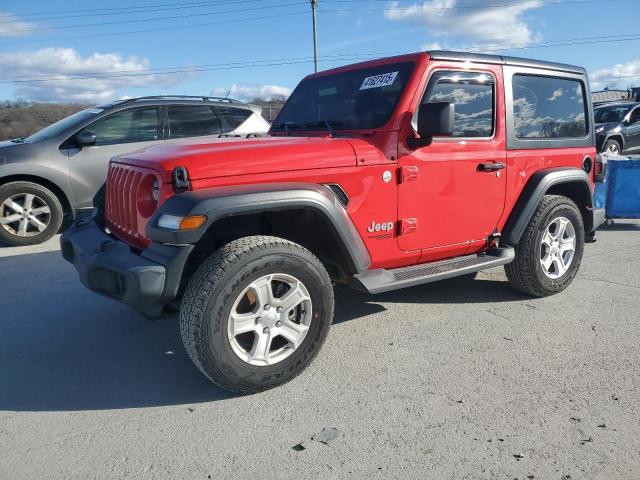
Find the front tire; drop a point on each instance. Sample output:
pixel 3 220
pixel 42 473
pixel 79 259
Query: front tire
pixel 256 312
pixel 612 147
pixel 29 214
pixel 550 251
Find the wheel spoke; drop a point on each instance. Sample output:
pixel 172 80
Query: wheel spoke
pixel 546 262
pixel 41 210
pixel 547 239
pixel 262 289
pixel 261 347
pixel 293 298
pixel 22 227
pixel 559 266
pixel 562 227
pixel 28 201
pixel 10 219
pixel 37 223
pixel 294 333
pixel 567 245
pixel 13 206
pixel 242 323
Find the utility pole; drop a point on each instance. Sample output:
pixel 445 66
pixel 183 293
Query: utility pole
pixel 314 7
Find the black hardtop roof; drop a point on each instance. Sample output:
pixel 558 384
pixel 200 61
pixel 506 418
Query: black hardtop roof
pixel 503 60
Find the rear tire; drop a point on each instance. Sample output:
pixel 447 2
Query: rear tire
pixel 238 298
pixel 29 214
pixel 550 250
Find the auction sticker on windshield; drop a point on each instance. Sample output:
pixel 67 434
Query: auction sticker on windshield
pixel 377 81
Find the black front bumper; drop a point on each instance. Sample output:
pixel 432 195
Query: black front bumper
pixel 147 281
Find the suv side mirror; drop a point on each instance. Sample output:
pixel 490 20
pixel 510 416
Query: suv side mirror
pixel 434 120
pixel 85 138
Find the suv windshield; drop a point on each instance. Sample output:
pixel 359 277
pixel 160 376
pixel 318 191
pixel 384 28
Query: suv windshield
pixel 356 99
pixel 611 114
pixel 61 126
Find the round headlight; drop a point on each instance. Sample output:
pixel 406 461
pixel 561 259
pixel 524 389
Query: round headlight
pixel 155 190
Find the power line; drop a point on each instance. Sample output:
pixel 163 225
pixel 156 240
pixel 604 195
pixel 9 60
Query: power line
pixel 129 9
pixel 158 29
pixel 189 5
pixel 198 4
pixel 143 20
pixel 292 61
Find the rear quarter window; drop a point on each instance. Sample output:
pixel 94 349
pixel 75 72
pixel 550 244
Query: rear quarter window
pixel 234 117
pixel 548 107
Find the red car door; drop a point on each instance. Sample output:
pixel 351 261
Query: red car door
pixel 453 190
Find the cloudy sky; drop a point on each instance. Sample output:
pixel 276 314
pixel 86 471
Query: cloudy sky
pixel 90 51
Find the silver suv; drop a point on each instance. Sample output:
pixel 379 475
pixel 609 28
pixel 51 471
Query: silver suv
pixel 58 172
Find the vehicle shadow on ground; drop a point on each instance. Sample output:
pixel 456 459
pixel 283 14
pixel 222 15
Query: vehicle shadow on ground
pixel 66 349
pixel 621 227
pixel 352 304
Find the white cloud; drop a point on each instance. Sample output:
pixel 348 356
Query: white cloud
pixel 431 46
pixel 620 75
pixel 62 64
pixel 10 26
pixel 249 92
pixel 487 25
pixel 556 94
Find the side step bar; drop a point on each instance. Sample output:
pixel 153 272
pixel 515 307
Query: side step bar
pixel 381 280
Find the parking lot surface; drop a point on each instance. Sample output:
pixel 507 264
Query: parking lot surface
pixel 459 379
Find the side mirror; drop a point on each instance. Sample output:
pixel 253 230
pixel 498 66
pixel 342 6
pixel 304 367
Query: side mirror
pixel 85 138
pixel 434 120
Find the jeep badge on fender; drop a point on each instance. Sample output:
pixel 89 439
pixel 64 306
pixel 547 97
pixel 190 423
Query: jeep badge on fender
pixel 247 253
pixel 380 227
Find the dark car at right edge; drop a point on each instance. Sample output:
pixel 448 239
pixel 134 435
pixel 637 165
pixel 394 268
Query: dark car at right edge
pixel 618 127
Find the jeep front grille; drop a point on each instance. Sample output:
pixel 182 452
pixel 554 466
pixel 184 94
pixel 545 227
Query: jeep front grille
pixel 123 217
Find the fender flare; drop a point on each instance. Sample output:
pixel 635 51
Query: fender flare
pixel 45 176
pixel 220 202
pixel 530 197
pixel 617 136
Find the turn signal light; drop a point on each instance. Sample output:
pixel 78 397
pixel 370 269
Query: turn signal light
pixel 193 222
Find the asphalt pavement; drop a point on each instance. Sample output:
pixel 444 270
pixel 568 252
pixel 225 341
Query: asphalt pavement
pixel 459 379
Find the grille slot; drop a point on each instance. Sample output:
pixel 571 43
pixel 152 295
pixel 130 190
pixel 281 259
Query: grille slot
pixel 123 183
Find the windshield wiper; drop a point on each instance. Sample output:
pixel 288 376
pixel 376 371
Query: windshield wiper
pixel 18 140
pixel 329 124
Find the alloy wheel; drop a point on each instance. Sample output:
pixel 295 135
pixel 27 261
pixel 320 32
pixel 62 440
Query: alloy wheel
pixel 25 215
pixel 558 247
pixel 269 319
pixel 613 148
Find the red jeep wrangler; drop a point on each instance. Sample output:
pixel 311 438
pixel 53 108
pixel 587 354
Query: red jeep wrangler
pixel 381 175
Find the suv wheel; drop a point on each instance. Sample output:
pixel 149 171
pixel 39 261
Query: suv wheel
pixel 256 313
pixel 550 251
pixel 612 147
pixel 29 214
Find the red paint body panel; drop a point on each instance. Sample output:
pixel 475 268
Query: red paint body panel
pixel 455 203
pixel 453 207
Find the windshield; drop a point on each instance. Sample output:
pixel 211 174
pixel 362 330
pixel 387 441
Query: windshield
pixel 356 99
pixel 63 125
pixel 611 114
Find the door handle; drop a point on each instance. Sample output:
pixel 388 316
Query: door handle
pixel 490 167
